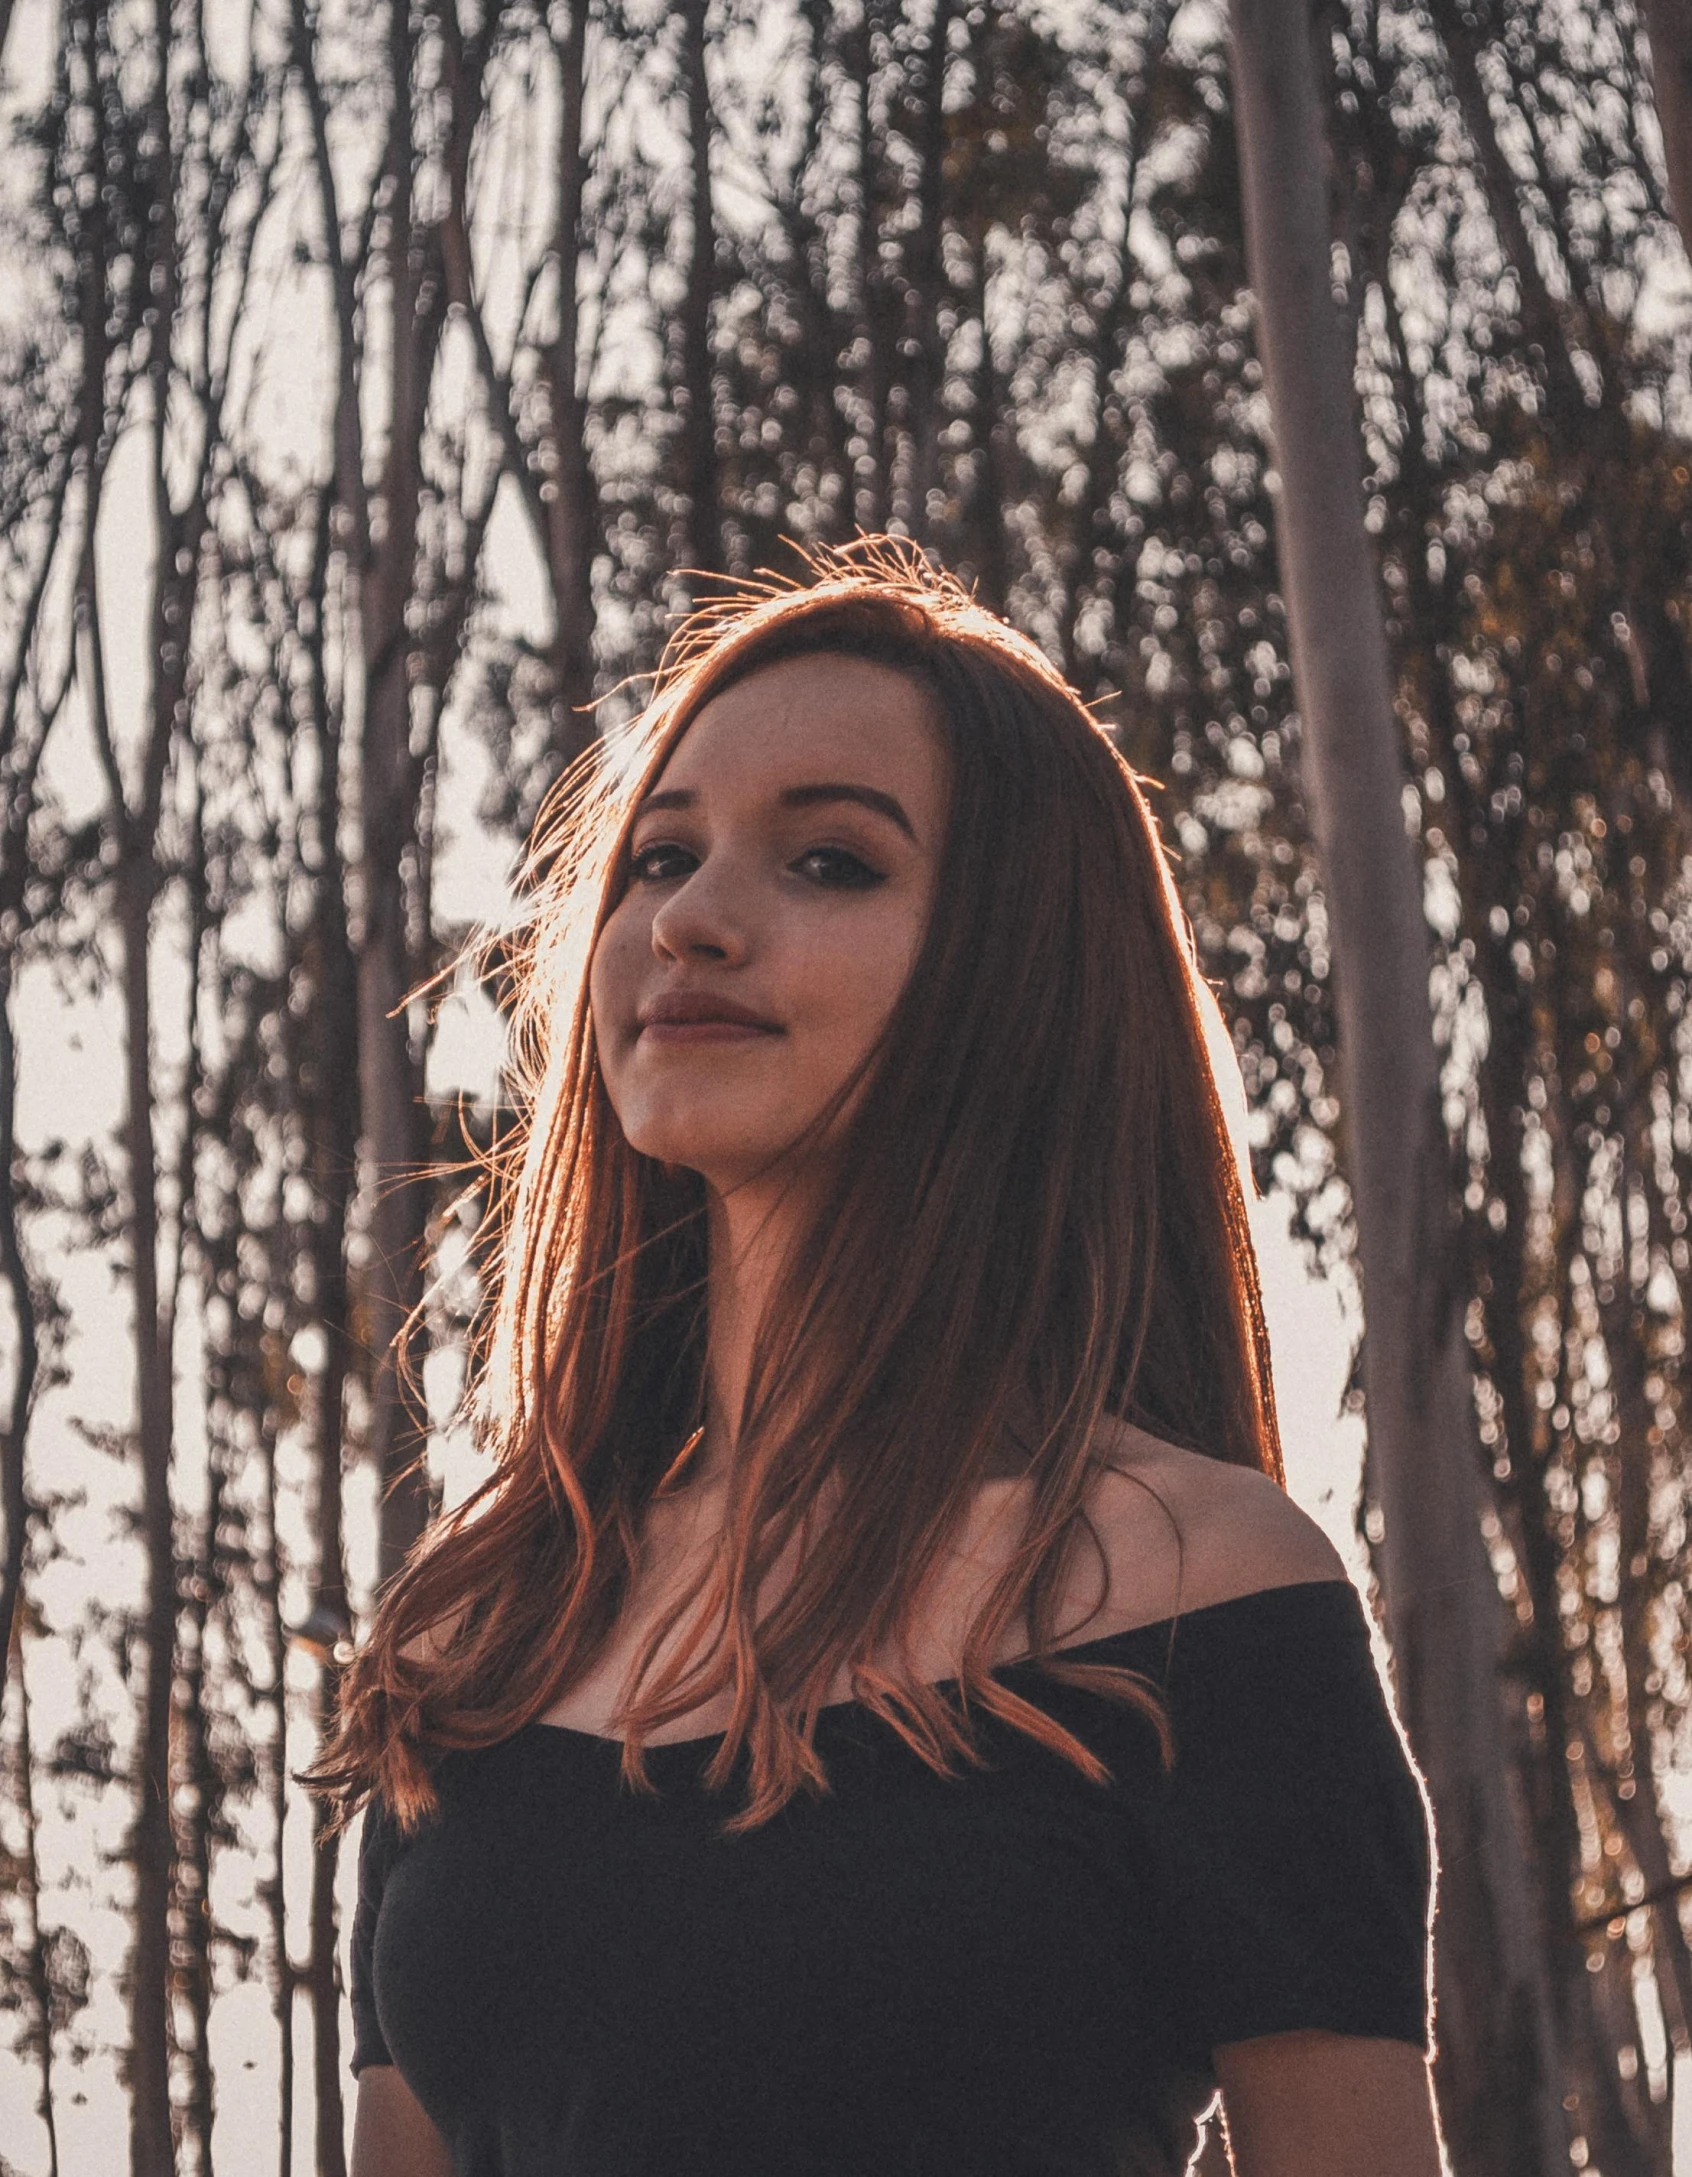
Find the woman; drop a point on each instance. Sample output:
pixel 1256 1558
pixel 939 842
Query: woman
pixel 882 1714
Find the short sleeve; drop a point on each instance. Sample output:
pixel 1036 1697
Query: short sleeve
pixel 375 1854
pixel 1295 1864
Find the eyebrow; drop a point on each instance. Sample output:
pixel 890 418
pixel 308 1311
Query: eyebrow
pixel 800 797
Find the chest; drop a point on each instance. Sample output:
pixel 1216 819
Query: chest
pixel 953 1955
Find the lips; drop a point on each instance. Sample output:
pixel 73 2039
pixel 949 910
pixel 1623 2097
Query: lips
pixel 694 1017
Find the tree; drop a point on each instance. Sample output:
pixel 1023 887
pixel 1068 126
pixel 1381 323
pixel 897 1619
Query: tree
pixel 1497 2064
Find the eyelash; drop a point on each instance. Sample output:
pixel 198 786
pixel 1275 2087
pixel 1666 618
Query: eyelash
pixel 858 877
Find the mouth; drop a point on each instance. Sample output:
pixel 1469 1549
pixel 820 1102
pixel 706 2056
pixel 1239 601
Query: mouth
pixel 684 1018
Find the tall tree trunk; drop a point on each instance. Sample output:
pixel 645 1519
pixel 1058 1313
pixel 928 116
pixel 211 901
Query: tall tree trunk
pixel 37 1960
pixel 1497 2067
pixel 323 1979
pixel 874 304
pixel 194 1855
pixel 152 2153
pixel 1668 25
pixel 988 482
pixel 197 1826
pixel 130 832
pixel 926 367
pixel 391 1102
pixel 390 1064
pixel 573 527
pixel 274 1888
pixel 151 1849
pixel 992 443
pixel 15 1508
pixel 698 375
pixel 333 1105
pixel 22 768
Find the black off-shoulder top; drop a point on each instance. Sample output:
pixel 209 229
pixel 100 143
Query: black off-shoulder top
pixel 1014 1973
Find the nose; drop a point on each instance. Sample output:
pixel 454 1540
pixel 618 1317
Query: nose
pixel 698 920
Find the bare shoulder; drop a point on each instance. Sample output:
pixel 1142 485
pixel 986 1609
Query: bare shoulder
pixel 1238 1530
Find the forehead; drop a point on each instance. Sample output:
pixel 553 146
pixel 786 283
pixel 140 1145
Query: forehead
pixel 809 718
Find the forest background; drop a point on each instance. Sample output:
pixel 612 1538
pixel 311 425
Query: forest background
pixel 368 376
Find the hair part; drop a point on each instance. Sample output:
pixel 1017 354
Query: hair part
pixel 1037 1220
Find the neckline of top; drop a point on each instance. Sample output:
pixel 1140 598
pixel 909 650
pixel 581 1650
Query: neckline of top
pixel 1077 1652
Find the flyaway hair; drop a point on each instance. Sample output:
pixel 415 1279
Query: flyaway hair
pixel 1036 1220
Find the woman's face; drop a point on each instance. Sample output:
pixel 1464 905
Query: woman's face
pixel 779 882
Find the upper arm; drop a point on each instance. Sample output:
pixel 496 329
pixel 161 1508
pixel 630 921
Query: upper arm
pixel 392 2135
pixel 1328 2105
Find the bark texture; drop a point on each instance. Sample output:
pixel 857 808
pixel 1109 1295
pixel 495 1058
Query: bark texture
pixel 1497 2069
pixel 573 519
pixel 699 423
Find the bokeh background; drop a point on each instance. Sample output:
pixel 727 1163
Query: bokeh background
pixel 378 384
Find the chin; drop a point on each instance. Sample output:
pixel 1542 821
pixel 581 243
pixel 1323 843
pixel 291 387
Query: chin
pixel 724 1157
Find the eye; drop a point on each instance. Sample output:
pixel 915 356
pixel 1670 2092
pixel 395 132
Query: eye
pixel 838 869
pixel 661 863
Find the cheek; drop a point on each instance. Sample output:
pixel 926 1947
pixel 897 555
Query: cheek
pixel 611 979
pixel 857 980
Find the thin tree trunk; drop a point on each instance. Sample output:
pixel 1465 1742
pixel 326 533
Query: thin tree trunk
pixel 273 1890
pixel 130 831
pixel 324 1983
pixel 390 1067
pixel 573 524
pixel 989 478
pixel 334 1117
pixel 1497 2068
pixel 395 1124
pixel 1668 26
pixel 196 1827
pixel 152 2152
pixel 38 1965
pixel 23 767
pixel 15 1506
pixel 151 1847
pixel 134 826
pixel 194 1857
pixel 698 376
pixel 873 496
pixel 135 885
pixel 988 482
pixel 927 353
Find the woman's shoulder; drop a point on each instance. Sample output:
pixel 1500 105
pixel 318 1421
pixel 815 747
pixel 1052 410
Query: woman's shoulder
pixel 1191 1532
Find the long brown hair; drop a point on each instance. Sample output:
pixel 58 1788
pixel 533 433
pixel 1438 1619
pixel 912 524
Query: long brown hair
pixel 1036 1220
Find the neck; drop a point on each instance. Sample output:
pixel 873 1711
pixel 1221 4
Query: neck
pixel 750 1233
